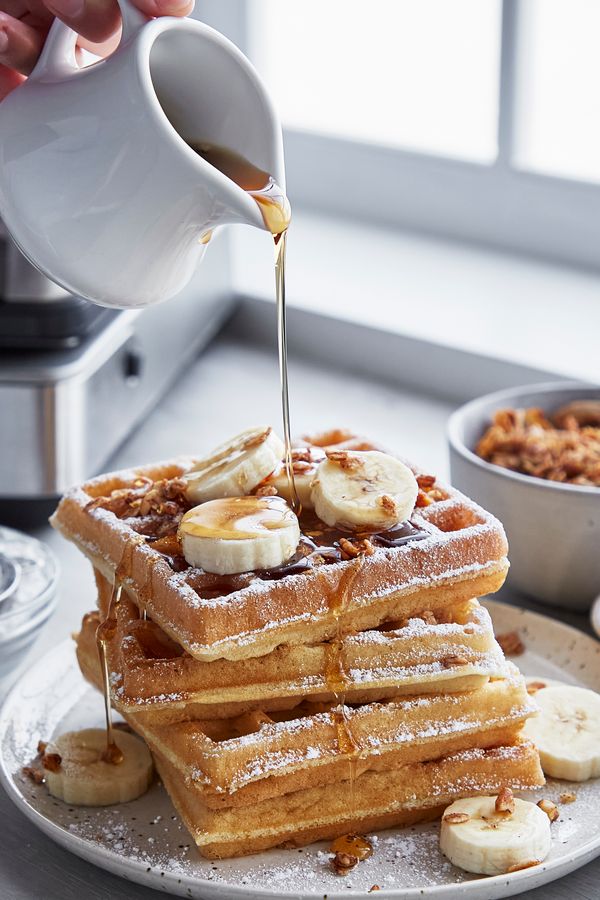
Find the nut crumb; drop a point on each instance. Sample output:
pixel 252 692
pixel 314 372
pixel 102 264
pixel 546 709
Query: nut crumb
pixel 387 502
pixel 425 481
pixel 456 818
pixel 352 549
pixel 454 660
pixel 524 865
pixel 511 643
pixel 343 862
pixel 568 797
pixel 33 774
pixel 267 490
pixel 550 808
pixel 51 761
pixel 374 887
pixel 534 686
pixel 422 500
pixel 41 747
pixel 505 802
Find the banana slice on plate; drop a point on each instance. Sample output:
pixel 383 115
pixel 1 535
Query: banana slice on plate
pixel 477 838
pixel 239 534
pixel 567 732
pixel 305 462
pixel 235 468
pixel 363 490
pixel 80 776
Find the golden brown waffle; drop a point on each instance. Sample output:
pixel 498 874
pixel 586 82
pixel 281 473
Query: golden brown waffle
pixel 400 796
pixel 454 551
pixel 258 755
pixel 150 671
pixel 226 755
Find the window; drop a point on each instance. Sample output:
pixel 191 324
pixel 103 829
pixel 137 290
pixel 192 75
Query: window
pixel 420 75
pixel 471 119
pixel 559 110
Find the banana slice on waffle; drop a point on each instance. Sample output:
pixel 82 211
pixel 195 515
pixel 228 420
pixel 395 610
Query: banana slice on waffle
pixel 76 772
pixel 305 462
pixel 363 490
pixel 567 731
pixel 239 534
pixel 236 467
pixel 478 838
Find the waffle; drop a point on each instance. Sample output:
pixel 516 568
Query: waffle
pixel 259 755
pixel 151 672
pixel 452 551
pixel 401 796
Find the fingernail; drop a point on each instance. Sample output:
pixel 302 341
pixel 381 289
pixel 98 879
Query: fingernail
pixel 170 5
pixel 3 41
pixel 66 9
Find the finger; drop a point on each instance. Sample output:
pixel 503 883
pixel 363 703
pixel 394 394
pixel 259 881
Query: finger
pixel 9 79
pixel 105 48
pixel 20 44
pixel 96 20
pixel 165 7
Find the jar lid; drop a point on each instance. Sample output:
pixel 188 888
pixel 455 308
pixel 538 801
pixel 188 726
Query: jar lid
pixel 28 576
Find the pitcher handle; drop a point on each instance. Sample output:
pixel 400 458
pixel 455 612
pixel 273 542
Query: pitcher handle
pixel 57 58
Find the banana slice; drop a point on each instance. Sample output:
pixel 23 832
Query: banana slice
pixel 478 839
pixel 567 732
pixel 82 778
pixel 235 468
pixel 305 462
pixel 239 534
pixel 363 490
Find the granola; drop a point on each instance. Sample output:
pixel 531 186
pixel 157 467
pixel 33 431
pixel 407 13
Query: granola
pixel 563 448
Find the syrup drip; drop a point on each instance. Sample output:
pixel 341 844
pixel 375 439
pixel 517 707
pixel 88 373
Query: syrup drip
pixel 353 844
pixel 336 680
pixel 105 631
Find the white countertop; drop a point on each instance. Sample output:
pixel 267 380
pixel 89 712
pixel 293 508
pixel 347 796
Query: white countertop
pixel 231 386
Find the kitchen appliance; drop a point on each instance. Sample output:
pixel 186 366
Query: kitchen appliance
pixel 75 379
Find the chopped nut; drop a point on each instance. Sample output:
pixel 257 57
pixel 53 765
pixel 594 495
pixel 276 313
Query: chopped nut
pixel 422 500
pixel 568 797
pixel 511 643
pixel 343 862
pixel 428 617
pixel 352 549
pixel 534 686
pixel 456 818
pixel 34 774
pixel 454 660
pixel 505 801
pixel 387 502
pixel 524 865
pixel 41 747
pixel 343 458
pixel 425 481
pixel 550 808
pixel 436 494
pixel 374 887
pixel 51 761
pixel 267 490
pixel 301 465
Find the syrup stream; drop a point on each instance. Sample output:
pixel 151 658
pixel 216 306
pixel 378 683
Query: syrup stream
pixel 104 632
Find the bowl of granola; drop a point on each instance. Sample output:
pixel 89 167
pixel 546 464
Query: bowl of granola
pixel 531 455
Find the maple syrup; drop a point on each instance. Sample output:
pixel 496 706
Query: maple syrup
pixel 353 844
pixel 105 631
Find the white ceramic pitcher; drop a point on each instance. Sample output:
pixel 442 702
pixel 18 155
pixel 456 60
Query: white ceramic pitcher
pixel 98 186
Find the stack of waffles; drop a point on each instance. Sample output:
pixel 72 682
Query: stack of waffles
pixel 355 688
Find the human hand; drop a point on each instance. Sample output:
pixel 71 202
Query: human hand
pixel 24 25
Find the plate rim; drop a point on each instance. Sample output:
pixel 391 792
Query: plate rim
pixel 134 870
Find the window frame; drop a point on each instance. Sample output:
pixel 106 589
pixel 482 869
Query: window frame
pixel 497 204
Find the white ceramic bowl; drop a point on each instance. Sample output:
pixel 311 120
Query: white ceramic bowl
pixel 553 529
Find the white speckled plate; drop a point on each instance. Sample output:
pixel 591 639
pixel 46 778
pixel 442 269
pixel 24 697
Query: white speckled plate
pixel 144 841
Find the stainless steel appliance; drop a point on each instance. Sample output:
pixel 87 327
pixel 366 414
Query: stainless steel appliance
pixel 75 379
